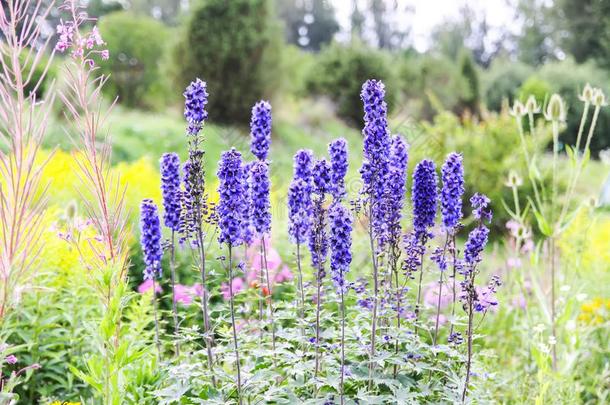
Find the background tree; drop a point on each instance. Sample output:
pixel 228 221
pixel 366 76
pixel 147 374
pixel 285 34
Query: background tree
pixel 308 24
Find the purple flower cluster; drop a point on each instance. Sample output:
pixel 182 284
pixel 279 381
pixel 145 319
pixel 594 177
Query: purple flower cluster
pixel 477 239
pixel 322 183
pixel 424 197
pixel 480 205
pixel 299 210
pixel 340 244
pixel 246 218
pixel 486 296
pixel 303 165
pixel 396 185
pixel 260 130
pixel 150 239
pixel 259 185
pixel 337 150
pixel 376 150
pixel 231 189
pixel 196 98
pixel 170 189
pixel 452 191
pixel 192 199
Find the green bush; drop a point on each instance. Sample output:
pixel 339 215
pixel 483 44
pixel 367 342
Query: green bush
pixel 340 72
pixel 534 86
pixel 51 73
pixel 568 79
pixel 235 47
pixel 433 83
pixel 502 80
pixel 136 45
pixel 470 99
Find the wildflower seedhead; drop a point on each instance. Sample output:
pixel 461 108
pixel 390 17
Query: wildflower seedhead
pixel 556 109
pixel 532 106
pixel 518 109
pixel 599 98
pixel 587 94
pixel 513 179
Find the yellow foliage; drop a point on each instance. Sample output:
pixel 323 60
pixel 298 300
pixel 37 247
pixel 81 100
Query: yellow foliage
pixel 586 240
pixel 595 312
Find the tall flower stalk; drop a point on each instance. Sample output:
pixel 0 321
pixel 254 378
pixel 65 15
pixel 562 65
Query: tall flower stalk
pixel 172 204
pixel 300 216
pixel 195 208
pixel 374 171
pixel 260 185
pixel 451 210
pixel 24 120
pixel 340 259
pixel 425 201
pixel 231 189
pixel 318 241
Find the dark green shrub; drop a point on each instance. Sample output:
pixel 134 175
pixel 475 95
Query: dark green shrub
pixel 537 87
pixel 432 83
pixel 568 79
pixel 469 100
pixel 136 45
pixel 235 47
pixel 340 72
pixel 502 81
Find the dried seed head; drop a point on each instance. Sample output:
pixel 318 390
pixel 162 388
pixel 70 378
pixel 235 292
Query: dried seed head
pixel 555 110
pixel 599 98
pixel 513 180
pixel 518 109
pixel 531 105
pixel 587 94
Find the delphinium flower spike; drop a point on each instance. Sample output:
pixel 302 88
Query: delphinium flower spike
pixel 477 240
pixel 150 240
pixel 231 189
pixel 194 201
pixel 300 211
pixel 374 171
pixel 424 197
pixel 452 176
pixel 337 150
pixel 172 205
pixel 260 142
pixel 396 185
pixel 340 259
pixel 318 239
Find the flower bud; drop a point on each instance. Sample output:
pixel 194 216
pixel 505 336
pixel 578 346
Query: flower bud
pixel 531 105
pixel 599 99
pixel 513 180
pixel 518 109
pixel 555 110
pixel 587 94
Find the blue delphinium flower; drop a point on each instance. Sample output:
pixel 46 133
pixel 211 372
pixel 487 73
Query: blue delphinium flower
pixel 170 189
pixel 341 222
pixel 259 191
pixel 150 239
pixel 300 210
pixel 322 184
pixel 480 205
pixel 424 197
pixel 196 98
pixel 376 150
pixel 247 223
pixel 477 239
pixel 231 190
pixel 396 185
pixel 303 165
pixel 260 129
pixel 337 150
pixel 452 191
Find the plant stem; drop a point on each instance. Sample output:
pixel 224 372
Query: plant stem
pixel 154 300
pixel 469 358
pixel 553 326
pixel 301 290
pixel 204 306
pixel 454 274
pixel 375 296
pixel 342 385
pixel 236 348
pixel 172 266
pixel 318 300
pixel 270 297
pixel 421 276
pixel 440 293
pixel 398 309
pixel 261 297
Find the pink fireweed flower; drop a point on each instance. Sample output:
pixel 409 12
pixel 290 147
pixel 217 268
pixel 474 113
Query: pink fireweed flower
pixel 184 294
pixel 148 285
pixel 431 295
pixel 237 284
pixel 11 359
pixel 283 275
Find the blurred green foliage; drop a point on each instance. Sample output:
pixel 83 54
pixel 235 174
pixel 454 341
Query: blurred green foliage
pixel 502 81
pixel 340 71
pixel 136 44
pixel 235 46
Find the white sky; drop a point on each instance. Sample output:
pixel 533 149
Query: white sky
pixel 429 13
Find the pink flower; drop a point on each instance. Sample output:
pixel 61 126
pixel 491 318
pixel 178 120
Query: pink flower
pixel 237 284
pixel 185 294
pixel 105 54
pixel 11 359
pixel 431 295
pixel 147 286
pixel 284 275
